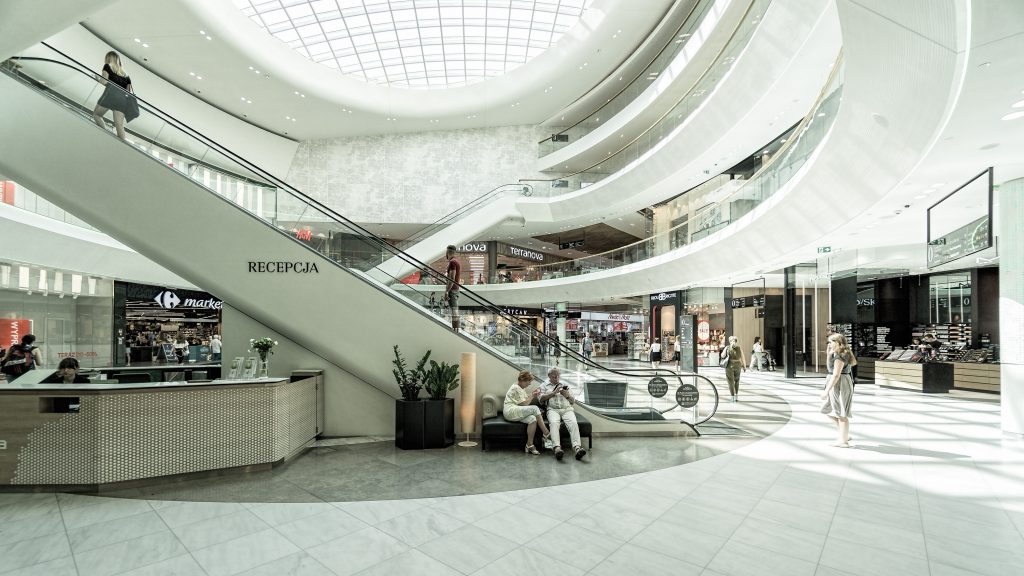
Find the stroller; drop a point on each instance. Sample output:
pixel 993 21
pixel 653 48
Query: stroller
pixel 767 361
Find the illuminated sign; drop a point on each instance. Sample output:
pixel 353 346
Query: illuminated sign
pixel 703 331
pixel 304 234
pixel 473 247
pixel 169 300
pixel 524 253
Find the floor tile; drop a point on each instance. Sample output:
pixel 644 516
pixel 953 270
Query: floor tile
pixel 631 559
pixel 470 508
pixel 244 553
pixel 219 529
pixel 298 564
pixel 907 541
pixel 793 516
pixel 589 547
pixel 276 514
pixel 690 544
pixel 357 551
pixel 738 559
pixel 953 552
pixel 469 548
pixel 192 512
pixel 780 539
pixel 419 526
pixel 33 551
pixel 844 555
pixel 518 563
pixel 113 531
pixel 320 528
pixel 104 510
pixel 184 565
pixel 18 507
pixel 411 562
pixel 374 513
pixel 129 554
pixel 27 528
pixel 60 567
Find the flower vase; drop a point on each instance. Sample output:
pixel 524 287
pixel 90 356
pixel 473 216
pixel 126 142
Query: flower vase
pixel 264 368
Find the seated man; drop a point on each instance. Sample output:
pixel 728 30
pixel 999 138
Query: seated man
pixel 559 402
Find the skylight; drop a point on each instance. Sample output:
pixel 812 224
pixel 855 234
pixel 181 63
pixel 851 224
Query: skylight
pixel 417 43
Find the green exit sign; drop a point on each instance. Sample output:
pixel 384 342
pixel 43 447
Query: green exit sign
pixel 824 249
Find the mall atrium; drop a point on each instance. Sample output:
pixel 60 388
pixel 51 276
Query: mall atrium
pixel 297 287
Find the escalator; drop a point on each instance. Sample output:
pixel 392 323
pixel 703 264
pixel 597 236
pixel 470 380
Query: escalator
pixel 257 254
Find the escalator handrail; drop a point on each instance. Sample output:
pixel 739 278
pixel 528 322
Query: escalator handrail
pixel 443 221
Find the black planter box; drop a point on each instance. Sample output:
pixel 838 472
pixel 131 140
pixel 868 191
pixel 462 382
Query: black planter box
pixel 423 424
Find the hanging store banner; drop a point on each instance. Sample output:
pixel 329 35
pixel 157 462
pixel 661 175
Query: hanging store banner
pixel 12 329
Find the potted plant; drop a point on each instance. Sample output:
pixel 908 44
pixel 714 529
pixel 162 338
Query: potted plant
pixel 264 347
pixel 420 423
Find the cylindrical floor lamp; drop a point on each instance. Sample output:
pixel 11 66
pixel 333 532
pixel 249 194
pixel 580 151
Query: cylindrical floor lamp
pixel 467 403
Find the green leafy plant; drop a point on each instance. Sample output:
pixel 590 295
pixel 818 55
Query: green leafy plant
pixel 441 379
pixel 410 382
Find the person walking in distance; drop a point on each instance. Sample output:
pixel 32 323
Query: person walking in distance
pixel 656 354
pixel 113 97
pixel 451 291
pixel 558 349
pixel 588 349
pixel 756 354
pixel 735 362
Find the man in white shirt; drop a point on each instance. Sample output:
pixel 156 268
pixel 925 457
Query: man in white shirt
pixel 559 409
pixel 215 347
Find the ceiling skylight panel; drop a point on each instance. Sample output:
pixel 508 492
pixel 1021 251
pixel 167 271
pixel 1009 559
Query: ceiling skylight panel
pixel 462 41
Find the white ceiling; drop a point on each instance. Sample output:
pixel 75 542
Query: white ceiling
pixel 189 39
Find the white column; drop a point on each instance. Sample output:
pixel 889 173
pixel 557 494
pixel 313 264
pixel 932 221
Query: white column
pixel 1011 304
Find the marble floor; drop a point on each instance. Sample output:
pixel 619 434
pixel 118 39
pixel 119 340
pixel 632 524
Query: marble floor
pixel 931 487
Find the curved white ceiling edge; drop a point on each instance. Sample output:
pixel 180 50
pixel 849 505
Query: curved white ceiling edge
pixel 661 94
pixel 841 179
pixel 783 69
pixel 50 243
pixel 595 28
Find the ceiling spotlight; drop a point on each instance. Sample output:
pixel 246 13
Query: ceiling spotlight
pixel 1014 115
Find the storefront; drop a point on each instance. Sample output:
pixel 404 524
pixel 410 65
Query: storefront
pixel 513 333
pixel 611 332
pixel 68 312
pixel 150 320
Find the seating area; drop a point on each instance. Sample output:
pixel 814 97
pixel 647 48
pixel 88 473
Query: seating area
pixel 497 429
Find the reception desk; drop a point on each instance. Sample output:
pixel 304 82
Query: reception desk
pixel 96 434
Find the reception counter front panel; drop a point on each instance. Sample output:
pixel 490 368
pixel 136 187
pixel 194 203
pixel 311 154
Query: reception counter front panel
pixel 103 433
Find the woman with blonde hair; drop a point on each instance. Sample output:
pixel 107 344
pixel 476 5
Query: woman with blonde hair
pixel 519 408
pixel 114 96
pixel 838 393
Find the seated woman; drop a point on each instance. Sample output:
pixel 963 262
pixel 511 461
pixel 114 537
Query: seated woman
pixel 517 408
pixel 67 373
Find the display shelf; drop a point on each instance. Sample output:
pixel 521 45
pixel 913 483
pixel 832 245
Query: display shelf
pixel 973 376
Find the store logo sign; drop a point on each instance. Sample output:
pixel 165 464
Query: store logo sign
pixel 662 297
pixel 524 253
pixel 169 300
pixel 473 247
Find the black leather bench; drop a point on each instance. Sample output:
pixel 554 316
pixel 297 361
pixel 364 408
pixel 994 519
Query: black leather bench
pixel 497 428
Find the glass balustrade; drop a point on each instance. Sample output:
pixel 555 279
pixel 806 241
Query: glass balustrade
pixel 619 158
pixel 686 33
pixel 712 217
pixel 228 176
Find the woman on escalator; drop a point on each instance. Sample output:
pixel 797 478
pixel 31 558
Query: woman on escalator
pixel 115 96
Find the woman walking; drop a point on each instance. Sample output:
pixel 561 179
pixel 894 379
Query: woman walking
pixel 734 362
pixel 838 393
pixel 115 96
pixel 756 354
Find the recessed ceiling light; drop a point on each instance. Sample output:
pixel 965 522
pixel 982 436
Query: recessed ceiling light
pixel 144 45
pixel 191 73
pixel 199 77
pixel 1019 104
pixel 1014 115
pixel 203 32
pixel 984 65
pixel 137 40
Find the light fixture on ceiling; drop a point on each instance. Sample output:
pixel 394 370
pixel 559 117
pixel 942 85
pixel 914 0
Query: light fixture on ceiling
pixel 1014 115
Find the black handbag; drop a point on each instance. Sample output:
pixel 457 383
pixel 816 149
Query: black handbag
pixel 131 108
